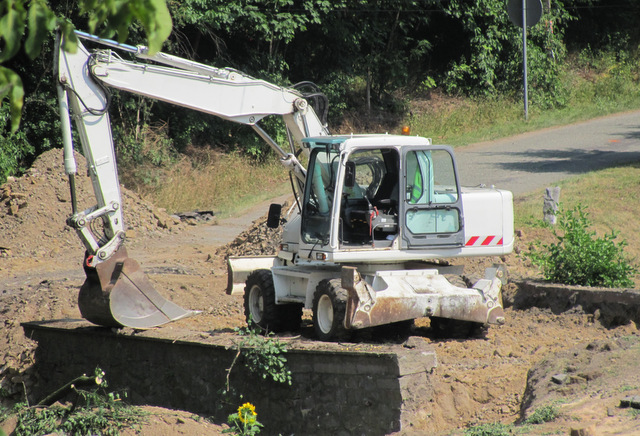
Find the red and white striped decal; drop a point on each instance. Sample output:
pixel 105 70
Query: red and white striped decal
pixel 487 241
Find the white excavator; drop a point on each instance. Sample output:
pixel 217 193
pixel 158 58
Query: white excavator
pixel 372 213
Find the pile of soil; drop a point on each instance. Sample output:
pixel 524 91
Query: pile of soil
pixel 36 205
pixel 34 236
pixel 478 380
pixel 258 240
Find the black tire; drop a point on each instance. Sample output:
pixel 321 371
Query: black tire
pixel 329 307
pixel 260 308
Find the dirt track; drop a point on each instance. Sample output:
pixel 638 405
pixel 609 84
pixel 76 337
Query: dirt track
pixel 478 380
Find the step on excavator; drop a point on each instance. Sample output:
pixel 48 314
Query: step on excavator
pixel 373 213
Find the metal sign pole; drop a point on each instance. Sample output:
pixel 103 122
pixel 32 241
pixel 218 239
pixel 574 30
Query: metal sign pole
pixel 524 59
pixel 524 13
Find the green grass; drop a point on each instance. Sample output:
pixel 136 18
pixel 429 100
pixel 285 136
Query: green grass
pixel 626 388
pixel 539 416
pixel 594 87
pixel 491 429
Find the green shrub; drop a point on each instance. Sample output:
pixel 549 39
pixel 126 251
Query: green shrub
pixel 544 414
pixel 93 412
pixel 264 355
pixel 580 258
pixel 14 147
pixel 492 429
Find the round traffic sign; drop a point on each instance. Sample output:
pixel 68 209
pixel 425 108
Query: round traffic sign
pixel 533 7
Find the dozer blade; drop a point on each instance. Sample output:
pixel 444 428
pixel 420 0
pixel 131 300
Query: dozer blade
pixel 117 293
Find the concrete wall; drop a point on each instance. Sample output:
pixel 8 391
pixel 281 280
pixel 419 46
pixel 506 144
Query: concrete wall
pixel 611 306
pixel 335 390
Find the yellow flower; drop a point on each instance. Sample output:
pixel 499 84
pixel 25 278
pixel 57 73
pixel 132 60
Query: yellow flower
pixel 247 413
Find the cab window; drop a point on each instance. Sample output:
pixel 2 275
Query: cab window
pixel 430 183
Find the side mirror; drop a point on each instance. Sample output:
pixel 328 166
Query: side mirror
pixel 350 174
pixel 273 219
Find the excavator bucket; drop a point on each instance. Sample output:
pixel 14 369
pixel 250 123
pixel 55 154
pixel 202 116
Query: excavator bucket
pixel 117 293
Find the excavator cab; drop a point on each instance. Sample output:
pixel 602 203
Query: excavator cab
pixel 432 208
pixel 365 194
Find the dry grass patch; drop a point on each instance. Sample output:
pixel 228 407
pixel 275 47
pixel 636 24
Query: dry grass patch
pixel 224 183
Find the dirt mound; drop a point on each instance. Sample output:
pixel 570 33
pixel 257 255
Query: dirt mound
pixel 588 384
pixel 33 211
pixel 34 207
pixel 258 240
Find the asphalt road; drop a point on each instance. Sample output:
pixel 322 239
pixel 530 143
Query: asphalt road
pixel 540 159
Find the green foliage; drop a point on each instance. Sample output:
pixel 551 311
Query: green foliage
pixel 544 414
pixel 93 412
pixel 107 17
pixel 41 21
pixel 263 355
pixel 492 41
pixel 598 23
pixel 14 147
pixel 580 258
pixel 136 140
pixel 12 22
pixel 11 86
pixel 244 422
pixel 262 29
pixel 614 75
pixel 114 17
pixel 492 429
pixel 363 55
pixel 493 62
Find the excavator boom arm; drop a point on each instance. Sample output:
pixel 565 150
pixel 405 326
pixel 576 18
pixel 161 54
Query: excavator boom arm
pixel 116 292
pixel 83 80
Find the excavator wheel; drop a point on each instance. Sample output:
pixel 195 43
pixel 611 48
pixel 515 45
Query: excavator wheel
pixel 329 307
pixel 117 293
pixel 260 306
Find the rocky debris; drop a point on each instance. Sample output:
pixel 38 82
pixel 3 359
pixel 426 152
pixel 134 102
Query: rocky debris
pixel 258 240
pixel 584 431
pixel 584 371
pixel 560 378
pixel 33 213
pixel 631 401
pixel 194 217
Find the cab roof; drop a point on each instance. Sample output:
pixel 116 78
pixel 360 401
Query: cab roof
pixel 376 140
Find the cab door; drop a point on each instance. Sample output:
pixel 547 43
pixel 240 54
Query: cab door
pixel 431 208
